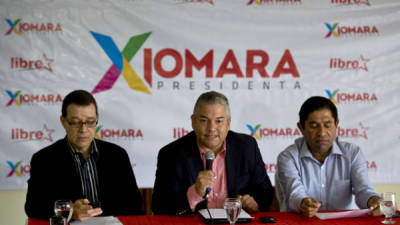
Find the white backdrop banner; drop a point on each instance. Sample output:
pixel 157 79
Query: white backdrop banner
pixel 266 56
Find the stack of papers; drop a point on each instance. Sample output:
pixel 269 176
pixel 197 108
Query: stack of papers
pixel 345 214
pixel 105 220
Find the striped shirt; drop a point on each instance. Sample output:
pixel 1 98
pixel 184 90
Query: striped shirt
pixel 87 171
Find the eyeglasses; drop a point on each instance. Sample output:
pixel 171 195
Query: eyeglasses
pixel 79 124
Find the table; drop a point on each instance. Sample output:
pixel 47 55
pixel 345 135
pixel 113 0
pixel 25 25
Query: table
pixel 282 218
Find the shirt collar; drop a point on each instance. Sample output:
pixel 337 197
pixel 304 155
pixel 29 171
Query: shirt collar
pixel 222 152
pixel 306 152
pixel 94 151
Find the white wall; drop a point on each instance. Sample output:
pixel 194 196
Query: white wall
pixel 12 207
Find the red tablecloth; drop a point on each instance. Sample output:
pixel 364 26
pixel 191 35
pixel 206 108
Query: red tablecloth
pixel 282 218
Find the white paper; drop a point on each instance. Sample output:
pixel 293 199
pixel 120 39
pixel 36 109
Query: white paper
pixel 220 214
pixel 345 214
pixel 105 220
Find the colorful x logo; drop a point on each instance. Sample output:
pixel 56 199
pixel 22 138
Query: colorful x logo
pixel 331 30
pixel 13 98
pixel 14 168
pixel 258 2
pixel 332 95
pixel 98 128
pixel 13 26
pixel 254 130
pixel 120 62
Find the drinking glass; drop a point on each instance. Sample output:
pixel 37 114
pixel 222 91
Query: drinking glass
pixel 232 208
pixel 63 208
pixel 387 205
pixel 58 220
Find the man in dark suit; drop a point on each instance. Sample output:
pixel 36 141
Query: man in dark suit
pixel 238 169
pixel 82 169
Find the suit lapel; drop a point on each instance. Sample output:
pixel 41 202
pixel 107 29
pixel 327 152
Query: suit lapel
pixel 194 163
pixel 231 165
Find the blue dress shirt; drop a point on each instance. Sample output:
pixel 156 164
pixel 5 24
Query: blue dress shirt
pixel 332 183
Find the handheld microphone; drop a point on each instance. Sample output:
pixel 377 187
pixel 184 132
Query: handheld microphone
pixel 210 156
pixel 209 159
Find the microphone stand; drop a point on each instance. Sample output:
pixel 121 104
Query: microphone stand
pixel 206 202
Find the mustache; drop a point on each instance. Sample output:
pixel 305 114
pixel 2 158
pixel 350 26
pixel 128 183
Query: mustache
pixel 321 139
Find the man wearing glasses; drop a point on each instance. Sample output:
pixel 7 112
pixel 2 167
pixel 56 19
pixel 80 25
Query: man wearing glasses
pixel 82 169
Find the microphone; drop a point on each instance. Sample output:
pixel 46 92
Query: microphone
pixel 210 156
pixel 209 159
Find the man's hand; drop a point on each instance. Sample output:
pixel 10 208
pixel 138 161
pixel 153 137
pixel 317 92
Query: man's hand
pixel 83 211
pixel 309 206
pixel 204 179
pixel 248 203
pixel 373 205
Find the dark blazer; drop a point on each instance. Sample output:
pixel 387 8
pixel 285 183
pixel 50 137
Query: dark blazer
pixel 180 161
pixel 54 176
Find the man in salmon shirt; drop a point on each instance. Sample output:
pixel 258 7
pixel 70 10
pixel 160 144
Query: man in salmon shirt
pixel 238 169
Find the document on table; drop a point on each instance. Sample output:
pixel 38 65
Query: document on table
pixel 345 214
pixel 105 220
pixel 220 214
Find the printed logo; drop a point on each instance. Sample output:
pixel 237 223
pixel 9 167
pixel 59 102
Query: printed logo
pixel 271 167
pixel 351 2
pixel 254 130
pixel 30 99
pixel 179 132
pixel 13 26
pixel 18 169
pixel 120 62
pixel 13 98
pixel 129 134
pixel 331 30
pixel 356 64
pixel 20 63
pixel 195 1
pixel 256 63
pixel 260 2
pixel 20 27
pixel 185 63
pixel 20 134
pixel 360 132
pixel 259 132
pixel 371 165
pixel 337 31
pixel 340 97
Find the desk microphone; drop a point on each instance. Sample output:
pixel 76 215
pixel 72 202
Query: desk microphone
pixel 210 156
